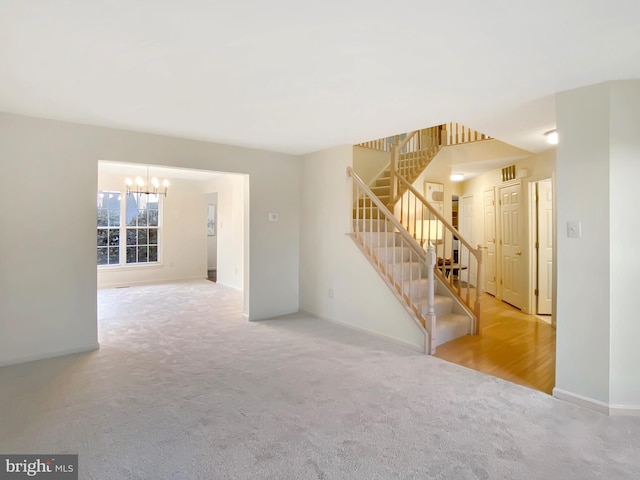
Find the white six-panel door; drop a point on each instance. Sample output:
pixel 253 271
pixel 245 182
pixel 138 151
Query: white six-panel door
pixel 512 258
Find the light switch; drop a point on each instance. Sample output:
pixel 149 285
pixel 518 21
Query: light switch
pixel 573 230
pixel 273 217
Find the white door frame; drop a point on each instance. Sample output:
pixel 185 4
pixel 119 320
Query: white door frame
pixel 493 241
pixel 533 236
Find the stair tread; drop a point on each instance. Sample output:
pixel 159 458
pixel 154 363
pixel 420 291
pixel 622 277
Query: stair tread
pixel 378 239
pixel 451 318
pixel 451 326
pixel 438 299
pixel 369 201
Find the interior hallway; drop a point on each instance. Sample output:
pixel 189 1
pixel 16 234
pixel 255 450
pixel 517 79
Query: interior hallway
pixel 512 345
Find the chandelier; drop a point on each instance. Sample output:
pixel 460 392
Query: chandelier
pixel 151 186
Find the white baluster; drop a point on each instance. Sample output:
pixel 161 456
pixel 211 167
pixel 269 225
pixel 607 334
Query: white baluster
pixel 430 318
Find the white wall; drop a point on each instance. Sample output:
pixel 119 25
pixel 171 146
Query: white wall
pixel 369 163
pixel 47 243
pixel 48 267
pixel 212 242
pixel 231 228
pixel 583 273
pixel 624 224
pixel 182 237
pixel 464 157
pixel 331 260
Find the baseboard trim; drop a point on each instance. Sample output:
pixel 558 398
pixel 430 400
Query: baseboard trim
pixel 140 283
pixel 48 355
pixel 581 400
pixel 592 404
pixel 230 286
pixel 617 410
pixel 545 318
pixel 272 317
pixel 412 346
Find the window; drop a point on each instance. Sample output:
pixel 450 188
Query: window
pixel 128 231
pixel 109 228
pixel 142 227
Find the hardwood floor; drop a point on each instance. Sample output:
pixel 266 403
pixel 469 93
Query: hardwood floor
pixel 212 275
pixel 512 345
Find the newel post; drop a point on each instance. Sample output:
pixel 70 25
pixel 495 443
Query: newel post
pixel 392 176
pixel 430 317
pixel 479 291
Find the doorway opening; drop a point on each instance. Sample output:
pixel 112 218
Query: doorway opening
pixel 515 342
pixel 455 204
pixel 212 238
pixel 542 223
pixel 178 236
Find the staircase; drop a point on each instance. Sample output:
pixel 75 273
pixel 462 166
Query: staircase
pixel 410 244
pixel 394 258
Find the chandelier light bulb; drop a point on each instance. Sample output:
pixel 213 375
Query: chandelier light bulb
pixel 140 185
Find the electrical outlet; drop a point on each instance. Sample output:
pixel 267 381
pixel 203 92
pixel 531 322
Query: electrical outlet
pixel 331 293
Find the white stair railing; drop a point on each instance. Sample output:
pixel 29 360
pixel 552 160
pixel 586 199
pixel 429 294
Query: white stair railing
pixel 397 257
pixel 451 133
pixel 461 272
pixel 412 155
pixel 456 134
pixel 381 144
pixel 460 269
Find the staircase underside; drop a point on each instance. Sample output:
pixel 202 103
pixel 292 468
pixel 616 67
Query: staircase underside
pixel 406 280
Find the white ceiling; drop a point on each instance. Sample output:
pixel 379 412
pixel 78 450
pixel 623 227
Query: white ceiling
pixel 149 171
pixel 297 76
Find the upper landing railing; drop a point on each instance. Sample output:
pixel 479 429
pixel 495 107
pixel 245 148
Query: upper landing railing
pixel 451 133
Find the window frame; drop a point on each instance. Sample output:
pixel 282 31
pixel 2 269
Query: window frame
pixel 123 227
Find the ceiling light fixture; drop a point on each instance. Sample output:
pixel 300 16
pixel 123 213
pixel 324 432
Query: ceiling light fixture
pixel 552 136
pixel 456 176
pixel 147 187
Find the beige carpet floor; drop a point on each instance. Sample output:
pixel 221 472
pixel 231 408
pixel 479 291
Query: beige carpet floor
pixel 183 388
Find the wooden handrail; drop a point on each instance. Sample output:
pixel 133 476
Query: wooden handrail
pixel 390 216
pixel 434 212
pixel 409 157
pixel 406 140
pixel 393 165
pixel 447 266
pixel 373 223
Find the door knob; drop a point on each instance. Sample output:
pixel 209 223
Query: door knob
pixel 518 253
